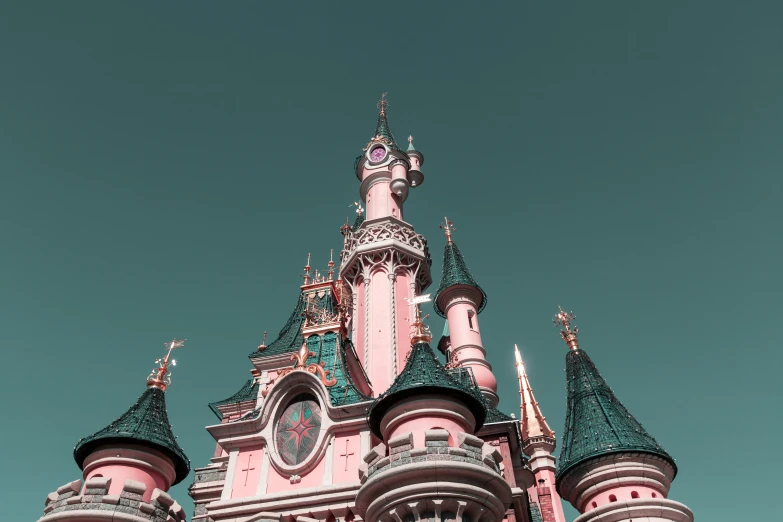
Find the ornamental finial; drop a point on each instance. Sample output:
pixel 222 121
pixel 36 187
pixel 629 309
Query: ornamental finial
pixel 448 227
pixel 569 335
pixel 307 268
pixel 420 332
pixel 262 346
pixel 382 104
pixel 161 377
pixel 330 273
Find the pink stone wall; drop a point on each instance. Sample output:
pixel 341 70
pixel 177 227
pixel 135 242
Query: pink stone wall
pixel 462 334
pixel 312 479
pixel 621 493
pixel 247 472
pixel 381 202
pixel 361 310
pixel 347 449
pixel 426 421
pixel 120 473
pixel 380 371
pixel 403 320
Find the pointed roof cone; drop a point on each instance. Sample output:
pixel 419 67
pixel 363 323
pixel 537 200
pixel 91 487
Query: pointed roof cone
pixel 382 131
pixel 533 421
pixel 411 148
pixel 596 422
pixel 455 272
pixel 146 423
pixel 423 373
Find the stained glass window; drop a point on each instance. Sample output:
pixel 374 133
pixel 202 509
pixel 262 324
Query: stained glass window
pixel 297 429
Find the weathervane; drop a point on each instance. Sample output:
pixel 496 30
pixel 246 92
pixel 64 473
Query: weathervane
pixel 359 208
pixel 262 346
pixel 161 377
pixel 420 332
pixel 448 227
pixel 382 104
pixel 330 273
pixel 568 334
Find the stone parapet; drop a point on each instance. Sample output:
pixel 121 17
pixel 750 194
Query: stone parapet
pixel 93 502
pixel 471 450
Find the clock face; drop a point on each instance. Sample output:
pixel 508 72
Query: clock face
pixel 377 154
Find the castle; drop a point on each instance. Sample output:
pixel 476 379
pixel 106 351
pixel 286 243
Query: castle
pixel 351 415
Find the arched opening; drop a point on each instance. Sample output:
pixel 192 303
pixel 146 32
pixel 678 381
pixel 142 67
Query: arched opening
pixel 471 313
pixel 612 498
pixel 634 494
pixel 655 496
pixel 595 505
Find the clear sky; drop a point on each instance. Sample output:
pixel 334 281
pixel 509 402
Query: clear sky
pixel 166 168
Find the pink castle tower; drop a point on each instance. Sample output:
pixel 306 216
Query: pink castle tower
pixel 538 443
pixel 430 465
pixel 610 468
pixel 129 465
pixel 459 300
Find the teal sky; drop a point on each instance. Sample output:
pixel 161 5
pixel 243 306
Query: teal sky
pixel 166 168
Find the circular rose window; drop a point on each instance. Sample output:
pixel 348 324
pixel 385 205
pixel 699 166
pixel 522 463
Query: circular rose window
pixel 297 429
pixel 377 154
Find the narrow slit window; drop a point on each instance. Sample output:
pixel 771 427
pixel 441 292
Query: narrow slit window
pixel 471 313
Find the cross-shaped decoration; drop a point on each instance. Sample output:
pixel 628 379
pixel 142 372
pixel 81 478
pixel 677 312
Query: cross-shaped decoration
pixel 248 469
pixel 346 454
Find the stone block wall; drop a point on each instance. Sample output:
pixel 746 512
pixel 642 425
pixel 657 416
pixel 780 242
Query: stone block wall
pixel 94 497
pixel 470 449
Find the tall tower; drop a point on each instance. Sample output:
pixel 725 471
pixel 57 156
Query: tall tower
pixel 459 300
pixel 610 468
pixel 129 465
pixel 538 443
pixel 384 261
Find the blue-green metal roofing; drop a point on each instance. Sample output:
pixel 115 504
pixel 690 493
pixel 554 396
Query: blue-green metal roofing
pixel 495 415
pixel 596 422
pixel 534 512
pixel 357 222
pixel 330 351
pixel 146 423
pixel 382 129
pixel 290 338
pixel 424 373
pixel 455 272
pixel 248 392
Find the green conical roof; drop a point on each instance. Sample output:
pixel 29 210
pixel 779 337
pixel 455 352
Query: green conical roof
pixel 596 422
pixel 248 392
pixel 423 373
pixel 455 272
pixel 382 130
pixel 145 423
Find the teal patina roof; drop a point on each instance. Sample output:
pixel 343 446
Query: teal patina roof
pixel 290 338
pixel 535 512
pixel 330 353
pixel 495 415
pixel 145 423
pixel 455 272
pixel 423 373
pixel 382 130
pixel 248 392
pixel 596 422
pixel 358 222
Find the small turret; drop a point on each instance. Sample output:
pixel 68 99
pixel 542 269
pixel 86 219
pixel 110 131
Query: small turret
pixel 140 444
pixel 538 443
pixel 609 465
pixel 460 299
pixel 415 175
pixel 427 420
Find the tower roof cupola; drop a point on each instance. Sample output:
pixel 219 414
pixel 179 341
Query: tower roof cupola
pixel 596 423
pixel 456 273
pixel 424 374
pixel 146 423
pixel 382 147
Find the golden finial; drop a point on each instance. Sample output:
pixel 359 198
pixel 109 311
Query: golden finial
pixel 568 334
pixel 448 227
pixel 330 273
pixel 382 104
pixel 262 346
pixel 161 377
pixel 410 140
pixel 420 332
pixel 307 270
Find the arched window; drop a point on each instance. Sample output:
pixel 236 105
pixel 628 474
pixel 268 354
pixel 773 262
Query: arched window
pixel 471 313
pixel 595 505
pixel 634 494
pixel 655 496
pixel 612 498
pixel 297 429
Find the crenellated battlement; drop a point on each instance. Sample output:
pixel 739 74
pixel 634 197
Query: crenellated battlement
pixel 92 502
pixel 470 450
